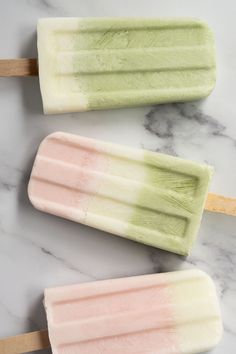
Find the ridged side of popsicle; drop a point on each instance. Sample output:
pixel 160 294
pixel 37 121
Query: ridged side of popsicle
pixel 148 197
pixel 169 313
pixel 89 63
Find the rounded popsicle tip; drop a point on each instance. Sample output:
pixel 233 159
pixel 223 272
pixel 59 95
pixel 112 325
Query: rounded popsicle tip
pixel 211 313
pixel 34 182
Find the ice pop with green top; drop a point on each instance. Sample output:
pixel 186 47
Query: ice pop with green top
pixel 98 63
pixel 145 196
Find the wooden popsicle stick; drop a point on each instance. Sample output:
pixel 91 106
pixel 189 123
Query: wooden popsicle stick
pixel 18 67
pixel 220 204
pixel 25 343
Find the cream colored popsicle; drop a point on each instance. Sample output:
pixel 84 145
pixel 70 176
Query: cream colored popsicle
pixel 148 197
pixel 169 313
pixel 99 63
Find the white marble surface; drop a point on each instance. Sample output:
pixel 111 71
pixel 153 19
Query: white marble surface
pixel 39 250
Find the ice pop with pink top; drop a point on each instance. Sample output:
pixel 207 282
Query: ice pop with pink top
pixel 148 197
pixel 169 313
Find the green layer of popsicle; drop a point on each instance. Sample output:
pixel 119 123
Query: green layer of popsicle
pixel 97 63
pixel 178 197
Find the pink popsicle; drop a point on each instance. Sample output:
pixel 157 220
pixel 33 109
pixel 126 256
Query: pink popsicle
pixel 168 313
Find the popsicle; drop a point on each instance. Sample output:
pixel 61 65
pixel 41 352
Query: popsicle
pixel 148 197
pixel 169 313
pixel 99 63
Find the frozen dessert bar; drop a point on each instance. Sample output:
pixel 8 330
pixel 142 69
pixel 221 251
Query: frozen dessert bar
pixel 169 313
pixel 145 196
pixel 98 63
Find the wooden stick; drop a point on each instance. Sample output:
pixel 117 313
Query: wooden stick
pixel 25 343
pixel 18 67
pixel 220 204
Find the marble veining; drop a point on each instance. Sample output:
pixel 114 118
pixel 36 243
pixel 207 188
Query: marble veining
pixel 163 121
pixel 49 6
pixel 39 250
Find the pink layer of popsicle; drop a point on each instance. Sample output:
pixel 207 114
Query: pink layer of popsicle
pixel 120 315
pixel 64 173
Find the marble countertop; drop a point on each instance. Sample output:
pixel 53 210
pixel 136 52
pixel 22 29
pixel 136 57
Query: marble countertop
pixel 39 250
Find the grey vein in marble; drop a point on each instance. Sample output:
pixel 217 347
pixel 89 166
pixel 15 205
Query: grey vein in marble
pixel 46 252
pixel 49 6
pixel 164 122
